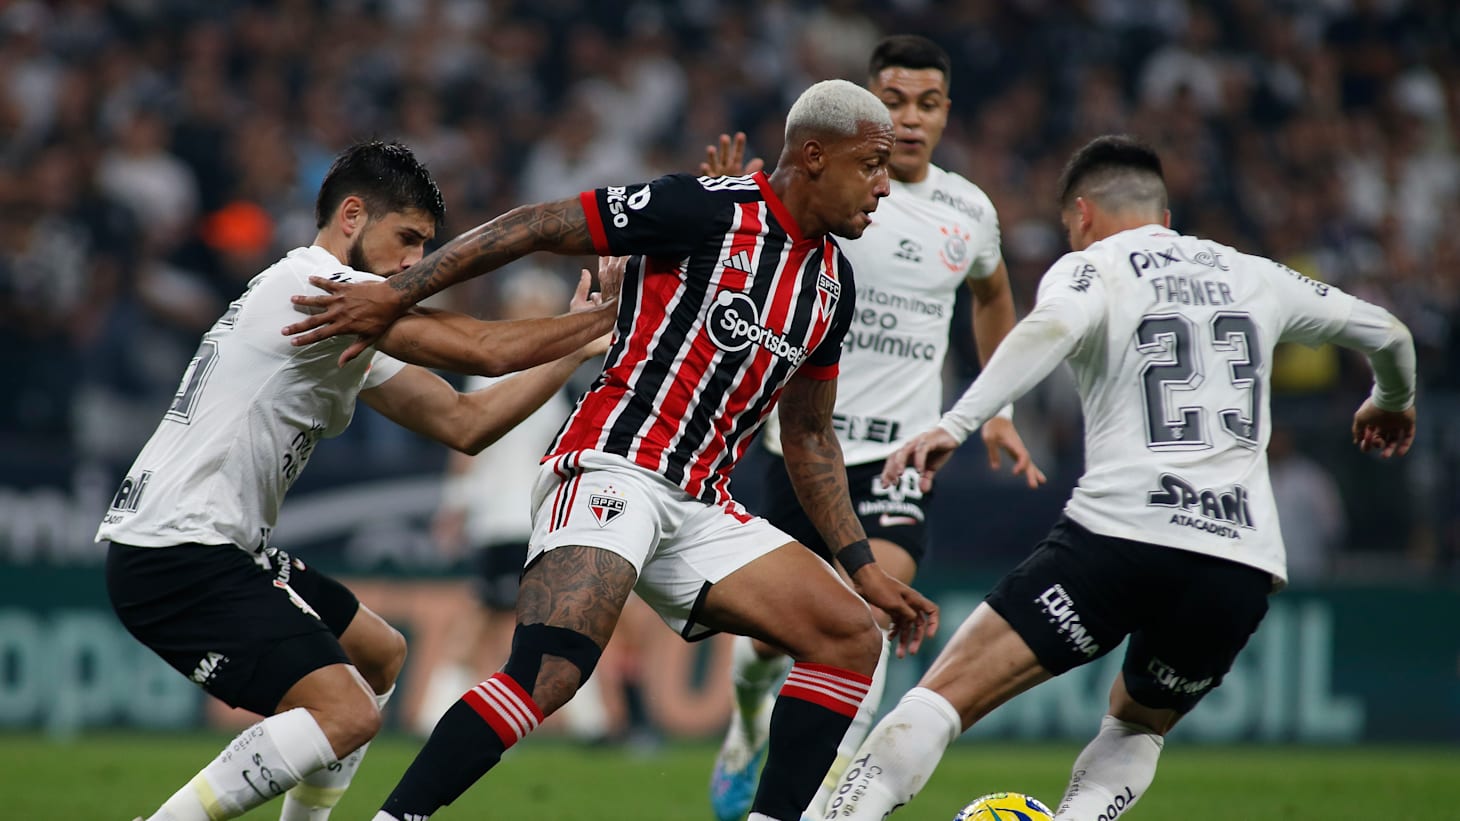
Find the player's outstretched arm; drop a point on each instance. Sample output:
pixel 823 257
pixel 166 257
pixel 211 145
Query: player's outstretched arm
pixel 993 318
pixel 421 401
pixel 454 342
pixel 819 475
pixel 365 309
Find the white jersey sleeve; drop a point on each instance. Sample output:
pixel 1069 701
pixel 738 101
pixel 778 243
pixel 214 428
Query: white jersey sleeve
pixel 246 417
pixel 1316 313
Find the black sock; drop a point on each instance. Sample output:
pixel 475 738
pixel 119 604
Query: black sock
pixel 467 742
pixel 815 707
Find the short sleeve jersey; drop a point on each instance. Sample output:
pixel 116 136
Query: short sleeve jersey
pixel 925 240
pixel 1173 371
pixel 723 302
pixel 247 415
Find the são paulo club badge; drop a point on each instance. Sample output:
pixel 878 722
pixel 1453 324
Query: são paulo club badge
pixel 606 506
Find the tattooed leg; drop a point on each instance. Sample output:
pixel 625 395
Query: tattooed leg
pixel 569 602
pixel 577 589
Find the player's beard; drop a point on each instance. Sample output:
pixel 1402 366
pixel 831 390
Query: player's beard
pixel 355 258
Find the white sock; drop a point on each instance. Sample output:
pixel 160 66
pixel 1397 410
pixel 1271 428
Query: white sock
pixel 856 734
pixel 1112 772
pixel 443 688
pixel 895 761
pixel 318 792
pixel 754 677
pixel 263 762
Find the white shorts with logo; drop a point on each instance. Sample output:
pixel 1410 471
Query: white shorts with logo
pixel 678 545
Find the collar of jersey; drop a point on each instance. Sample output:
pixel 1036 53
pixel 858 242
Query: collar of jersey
pixel 778 208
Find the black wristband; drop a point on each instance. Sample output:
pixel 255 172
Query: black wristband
pixel 854 556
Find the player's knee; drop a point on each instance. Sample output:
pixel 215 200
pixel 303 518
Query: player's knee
pixel 350 721
pixel 849 638
pixel 532 643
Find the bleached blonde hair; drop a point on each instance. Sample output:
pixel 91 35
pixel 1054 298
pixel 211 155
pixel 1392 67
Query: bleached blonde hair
pixel 835 107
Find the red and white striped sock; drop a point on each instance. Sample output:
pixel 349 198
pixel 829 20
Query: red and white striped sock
pixel 468 741
pixel 812 713
pixel 504 705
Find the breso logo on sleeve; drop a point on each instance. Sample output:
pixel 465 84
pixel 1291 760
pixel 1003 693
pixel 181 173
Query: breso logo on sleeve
pixel 619 202
pixel 734 324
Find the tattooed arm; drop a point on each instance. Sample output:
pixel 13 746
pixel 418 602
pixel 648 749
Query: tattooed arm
pixel 365 309
pixel 814 462
pixel 814 459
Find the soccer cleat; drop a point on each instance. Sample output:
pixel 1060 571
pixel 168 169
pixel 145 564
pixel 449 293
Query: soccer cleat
pixel 737 767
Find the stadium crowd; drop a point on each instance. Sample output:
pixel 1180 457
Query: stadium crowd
pixel 157 153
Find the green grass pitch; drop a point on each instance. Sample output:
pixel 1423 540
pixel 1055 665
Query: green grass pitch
pixel 104 776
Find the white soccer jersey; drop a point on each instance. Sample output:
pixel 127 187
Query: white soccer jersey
pixel 1170 338
pixel 924 240
pixel 245 419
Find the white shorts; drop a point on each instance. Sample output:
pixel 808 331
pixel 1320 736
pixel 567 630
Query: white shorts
pixel 678 545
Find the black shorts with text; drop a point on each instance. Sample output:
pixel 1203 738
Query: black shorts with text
pixel 1187 614
pixel 897 514
pixel 246 628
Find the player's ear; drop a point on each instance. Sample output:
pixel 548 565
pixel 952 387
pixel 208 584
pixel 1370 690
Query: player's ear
pixel 813 157
pixel 351 215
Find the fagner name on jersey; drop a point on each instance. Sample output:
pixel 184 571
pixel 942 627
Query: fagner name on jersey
pixel 1220 505
pixel 1188 291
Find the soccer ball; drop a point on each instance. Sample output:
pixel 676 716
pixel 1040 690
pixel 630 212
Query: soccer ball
pixel 1005 806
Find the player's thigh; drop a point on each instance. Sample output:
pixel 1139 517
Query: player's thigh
pixel 793 600
pixel 1188 644
pixel 1074 599
pixel 983 665
pixel 226 619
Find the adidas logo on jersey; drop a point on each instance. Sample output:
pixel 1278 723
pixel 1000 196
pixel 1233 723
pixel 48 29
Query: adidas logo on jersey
pixel 739 262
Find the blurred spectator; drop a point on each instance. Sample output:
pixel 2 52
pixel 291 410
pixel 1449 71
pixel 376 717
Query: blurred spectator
pixel 1310 510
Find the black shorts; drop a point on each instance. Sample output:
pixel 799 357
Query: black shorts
pixel 1187 614
pixel 897 514
pixel 498 572
pixel 245 628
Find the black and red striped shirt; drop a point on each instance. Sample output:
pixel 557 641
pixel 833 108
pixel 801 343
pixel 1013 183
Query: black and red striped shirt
pixel 724 301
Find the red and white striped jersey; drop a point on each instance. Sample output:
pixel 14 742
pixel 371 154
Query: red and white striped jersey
pixel 724 301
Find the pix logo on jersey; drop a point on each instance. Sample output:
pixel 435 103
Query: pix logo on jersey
pixel 606 506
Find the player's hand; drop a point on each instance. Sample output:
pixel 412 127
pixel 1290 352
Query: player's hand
pixel 1000 436
pixel 365 309
pixel 728 160
pixel 584 297
pixel 914 616
pixel 1389 432
pixel 927 452
pixel 611 276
